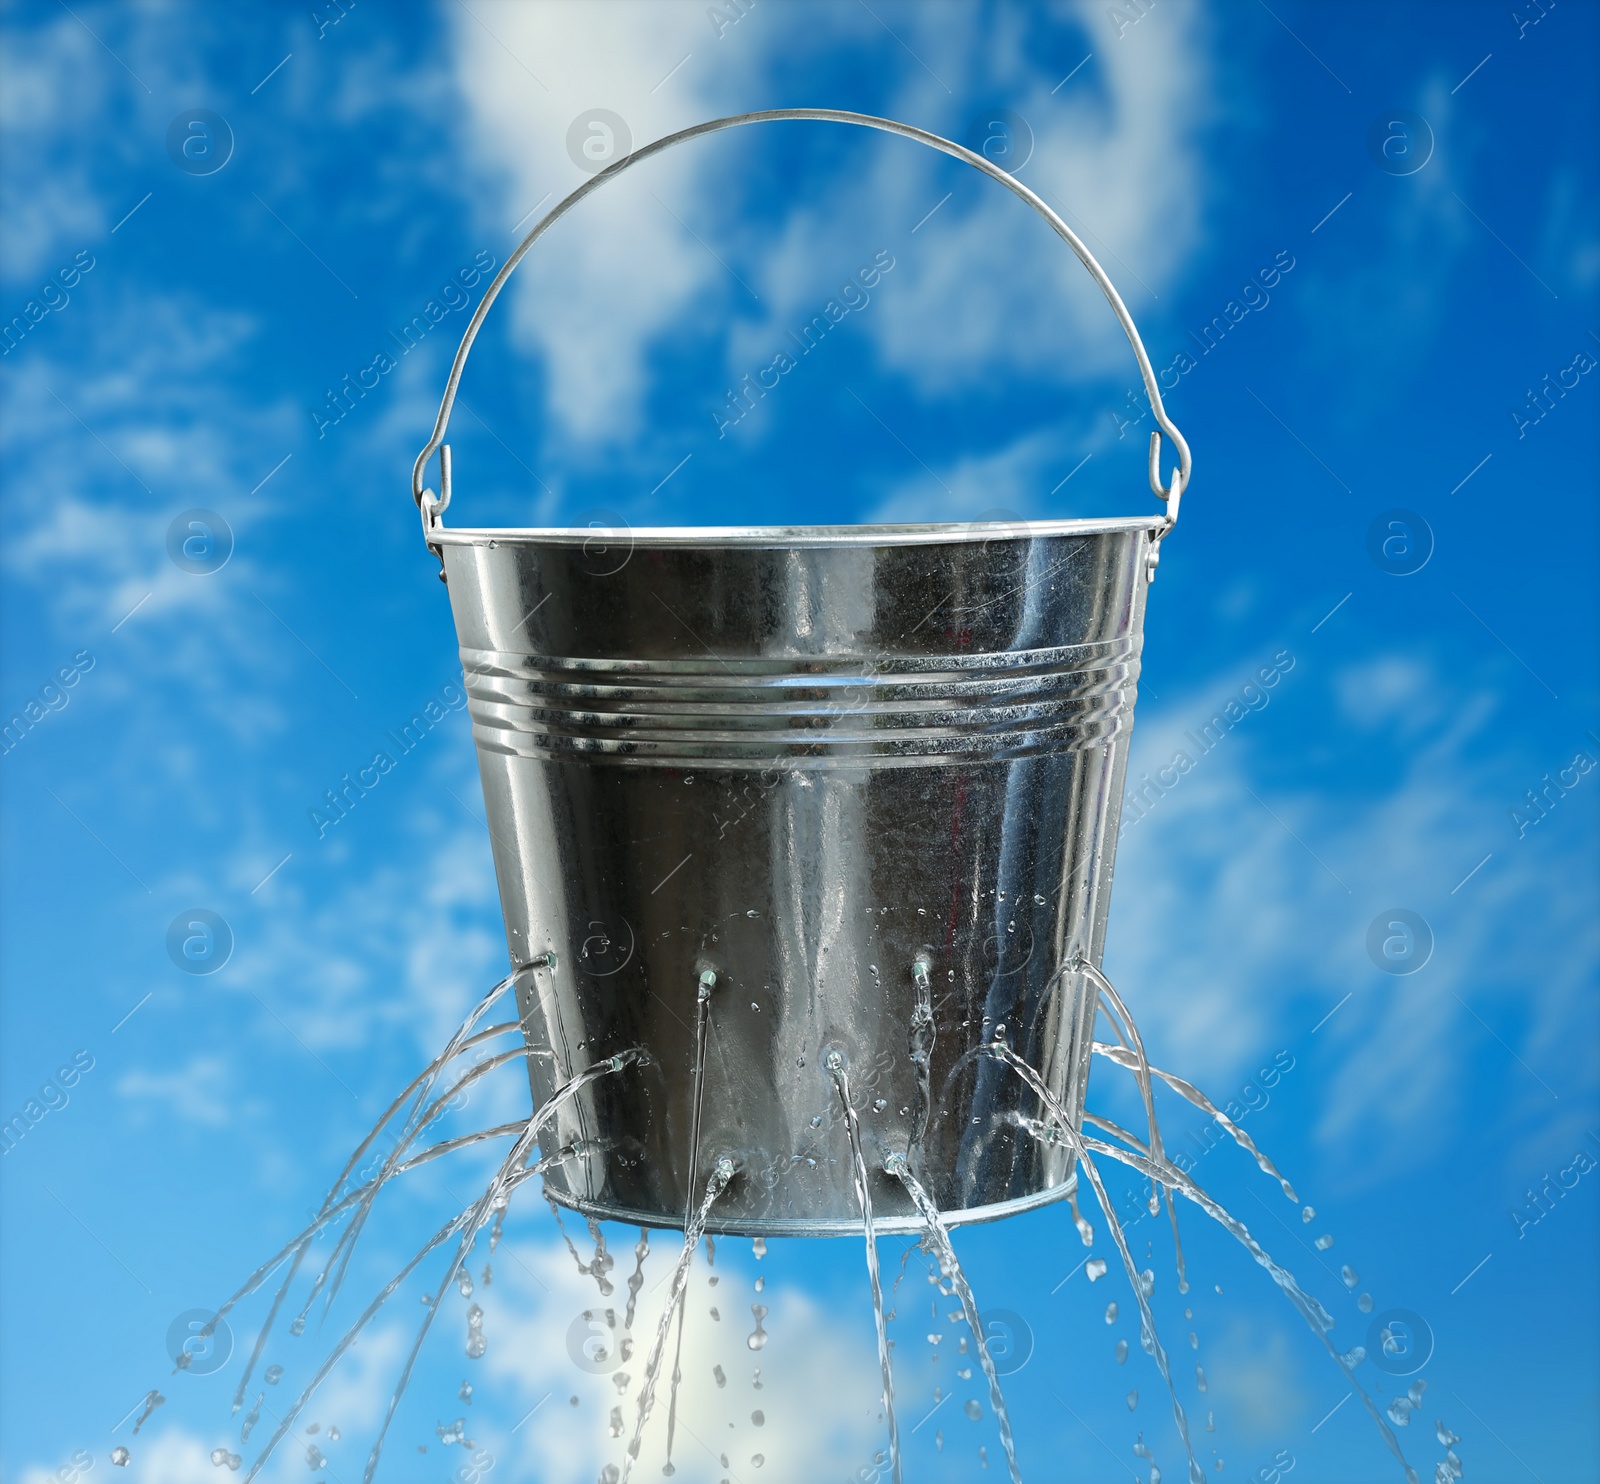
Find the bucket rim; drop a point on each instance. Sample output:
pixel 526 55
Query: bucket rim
pixel 795 537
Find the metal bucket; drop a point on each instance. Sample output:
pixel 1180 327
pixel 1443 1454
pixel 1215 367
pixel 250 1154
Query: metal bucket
pixel 847 788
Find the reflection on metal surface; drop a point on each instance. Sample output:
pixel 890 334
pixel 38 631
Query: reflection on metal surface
pixel 808 762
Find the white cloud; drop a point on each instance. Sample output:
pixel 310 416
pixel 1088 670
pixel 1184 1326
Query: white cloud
pixel 426 929
pixel 1229 937
pixel 809 1355
pixel 51 207
pixel 620 268
pixel 1255 1380
pixel 987 288
pixel 197 1092
pixel 993 289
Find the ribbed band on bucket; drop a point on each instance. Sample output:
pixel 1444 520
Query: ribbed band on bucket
pixel 802 711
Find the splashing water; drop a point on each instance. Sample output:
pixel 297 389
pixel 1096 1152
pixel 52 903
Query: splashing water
pixel 419 1106
pixel 1148 1338
pixel 1316 1317
pixel 636 1278
pixel 152 1400
pixel 513 1171
pixel 693 1230
pixel 834 1062
pixel 896 1166
pixel 1187 1090
pixel 412 1125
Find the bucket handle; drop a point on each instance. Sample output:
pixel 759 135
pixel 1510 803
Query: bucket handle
pixel 433 506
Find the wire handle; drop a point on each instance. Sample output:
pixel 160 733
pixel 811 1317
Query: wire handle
pixel 433 506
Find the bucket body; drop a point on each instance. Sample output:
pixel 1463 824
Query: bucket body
pixel 844 770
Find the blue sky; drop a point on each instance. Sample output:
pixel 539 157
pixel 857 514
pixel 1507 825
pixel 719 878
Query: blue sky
pixel 1421 340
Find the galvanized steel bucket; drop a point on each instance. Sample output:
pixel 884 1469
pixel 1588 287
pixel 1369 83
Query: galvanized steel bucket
pixel 855 785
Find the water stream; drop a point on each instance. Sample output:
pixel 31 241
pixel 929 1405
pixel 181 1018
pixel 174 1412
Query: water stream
pixel 924 1035
pixel 418 1090
pixel 896 1165
pixel 421 1104
pixel 1141 1158
pixel 694 1229
pixel 513 1171
pixel 702 1019
pixel 834 1062
pixel 1148 1338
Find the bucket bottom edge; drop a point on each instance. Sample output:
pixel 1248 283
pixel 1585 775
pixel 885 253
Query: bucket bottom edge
pixel 819 1226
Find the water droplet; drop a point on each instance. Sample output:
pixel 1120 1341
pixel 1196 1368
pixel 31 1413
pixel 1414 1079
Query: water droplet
pixel 816 1120
pixel 333 1432
pixel 272 1375
pixel 1364 1303
pixel 154 1399
pixel 759 1417
pixel 477 1345
pixel 880 1104
pixel 799 1061
pixel 761 1284
pixel 1111 1312
pixel 751 912
pixel 297 1326
pixel 1194 1340
pixel 1211 1421
pixel 120 1457
pixel 759 1247
pixel 715 1315
pixel 755 1007
pixel 314 1458
pixel 938 1440
pixel 1095 1269
pixel 973 1409
pixel 1200 1377
pixel 1308 1215
pixel 719 1375
pixel 1323 1242
pixel 1122 1352
pixel 1133 1400
pixel 1350 1276
pixel 756 1381
pixel 616 1422
pixel 757 1459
